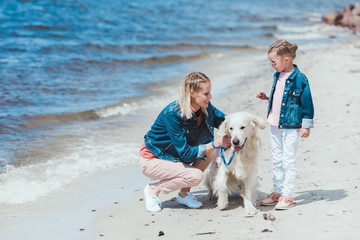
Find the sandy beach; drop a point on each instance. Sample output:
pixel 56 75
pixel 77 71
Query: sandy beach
pixel 327 187
pixel 81 84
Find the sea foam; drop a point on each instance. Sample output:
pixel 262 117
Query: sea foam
pixel 30 182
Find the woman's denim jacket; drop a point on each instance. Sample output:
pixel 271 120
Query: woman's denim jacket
pixel 297 109
pixel 175 138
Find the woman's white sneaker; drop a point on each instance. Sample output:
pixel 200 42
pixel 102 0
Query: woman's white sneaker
pixel 189 201
pixel 152 202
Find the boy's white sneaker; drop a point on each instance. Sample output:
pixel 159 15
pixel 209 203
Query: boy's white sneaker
pixel 152 202
pixel 189 201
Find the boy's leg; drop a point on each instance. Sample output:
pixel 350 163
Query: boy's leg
pixel 291 143
pixel 276 140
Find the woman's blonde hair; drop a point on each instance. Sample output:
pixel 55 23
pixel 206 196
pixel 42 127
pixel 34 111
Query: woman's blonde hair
pixel 190 82
pixel 283 48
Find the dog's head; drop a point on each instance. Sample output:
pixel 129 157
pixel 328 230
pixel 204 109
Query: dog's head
pixel 240 127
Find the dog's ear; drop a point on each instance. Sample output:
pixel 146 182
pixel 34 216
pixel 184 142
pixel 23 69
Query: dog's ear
pixel 259 122
pixel 223 128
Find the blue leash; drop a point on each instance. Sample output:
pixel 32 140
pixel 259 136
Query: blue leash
pixel 222 153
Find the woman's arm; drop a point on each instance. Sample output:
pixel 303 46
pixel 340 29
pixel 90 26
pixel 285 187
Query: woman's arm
pixel 174 125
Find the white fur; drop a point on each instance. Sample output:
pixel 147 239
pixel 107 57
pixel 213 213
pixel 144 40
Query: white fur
pixel 221 179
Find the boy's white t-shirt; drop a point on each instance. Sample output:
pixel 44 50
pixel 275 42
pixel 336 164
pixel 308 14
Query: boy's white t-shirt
pixel 274 115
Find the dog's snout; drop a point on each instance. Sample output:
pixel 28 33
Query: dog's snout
pixel 236 142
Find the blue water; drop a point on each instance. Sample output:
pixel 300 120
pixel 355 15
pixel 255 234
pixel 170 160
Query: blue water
pixel 69 56
pixel 63 63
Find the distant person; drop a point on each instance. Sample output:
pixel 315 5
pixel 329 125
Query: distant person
pixel 180 144
pixel 290 114
pixel 348 17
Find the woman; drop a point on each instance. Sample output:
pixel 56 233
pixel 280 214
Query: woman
pixel 179 146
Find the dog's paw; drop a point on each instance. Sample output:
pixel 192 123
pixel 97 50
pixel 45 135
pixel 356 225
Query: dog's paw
pixel 222 205
pixel 250 211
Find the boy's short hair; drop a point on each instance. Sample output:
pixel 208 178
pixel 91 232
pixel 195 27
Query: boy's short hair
pixel 283 48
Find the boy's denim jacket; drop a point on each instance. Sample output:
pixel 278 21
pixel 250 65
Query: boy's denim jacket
pixel 297 109
pixel 175 138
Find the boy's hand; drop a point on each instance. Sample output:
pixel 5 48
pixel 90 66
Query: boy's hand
pixel 305 132
pixel 262 96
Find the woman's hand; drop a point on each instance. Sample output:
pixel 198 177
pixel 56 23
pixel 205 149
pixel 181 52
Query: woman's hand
pixel 224 142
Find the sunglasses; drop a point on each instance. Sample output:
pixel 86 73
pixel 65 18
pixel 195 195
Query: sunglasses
pixel 274 62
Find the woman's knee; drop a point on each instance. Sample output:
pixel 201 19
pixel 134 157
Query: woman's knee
pixel 196 176
pixel 145 168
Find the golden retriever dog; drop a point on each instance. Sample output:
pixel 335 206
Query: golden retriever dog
pixel 236 167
